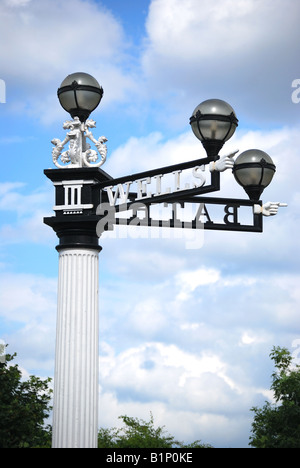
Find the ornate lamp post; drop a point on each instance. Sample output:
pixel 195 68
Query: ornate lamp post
pixel 84 196
pixel 75 409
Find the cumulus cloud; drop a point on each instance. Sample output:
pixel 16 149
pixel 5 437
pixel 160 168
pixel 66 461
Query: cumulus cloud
pixel 152 150
pixel 189 281
pixel 227 49
pixel 16 3
pixel 156 361
pixel 44 41
pixel 156 377
pixel 50 43
pixel 35 296
pixel 28 304
pixel 172 351
pixel 28 211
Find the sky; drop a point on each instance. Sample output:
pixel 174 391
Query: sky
pixel 185 333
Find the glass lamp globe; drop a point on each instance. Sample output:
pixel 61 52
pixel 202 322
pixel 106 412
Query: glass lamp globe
pixel 79 94
pixel 254 170
pixel 213 122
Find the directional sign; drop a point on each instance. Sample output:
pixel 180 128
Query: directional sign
pixel 163 184
pixel 190 213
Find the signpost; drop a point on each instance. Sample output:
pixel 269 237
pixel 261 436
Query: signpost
pixel 88 201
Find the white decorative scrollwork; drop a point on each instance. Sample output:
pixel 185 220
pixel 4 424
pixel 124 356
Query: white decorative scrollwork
pixel 79 153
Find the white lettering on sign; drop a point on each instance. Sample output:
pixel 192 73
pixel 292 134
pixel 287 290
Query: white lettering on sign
pixel 119 193
pixel 159 184
pixel 181 215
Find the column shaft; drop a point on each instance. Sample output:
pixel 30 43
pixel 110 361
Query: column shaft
pixel 75 413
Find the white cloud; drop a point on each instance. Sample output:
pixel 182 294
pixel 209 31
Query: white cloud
pixel 172 384
pixel 27 315
pixel 151 264
pixel 7 187
pixel 35 296
pixel 198 32
pixel 147 317
pixel 226 49
pixel 189 53
pixel 251 338
pixel 44 41
pixel 152 151
pixel 50 43
pixel 16 3
pixel 154 368
pixel 29 210
pixel 188 281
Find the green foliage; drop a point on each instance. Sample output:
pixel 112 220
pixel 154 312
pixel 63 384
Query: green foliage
pixel 24 405
pixel 278 425
pixel 140 434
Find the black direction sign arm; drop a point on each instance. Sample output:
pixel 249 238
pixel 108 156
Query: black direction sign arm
pixel 214 185
pixel 153 172
pixel 230 207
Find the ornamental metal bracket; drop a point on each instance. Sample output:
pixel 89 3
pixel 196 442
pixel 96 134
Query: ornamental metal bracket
pixel 79 153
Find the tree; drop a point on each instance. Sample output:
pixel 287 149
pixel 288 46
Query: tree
pixel 278 425
pixel 140 434
pixel 24 405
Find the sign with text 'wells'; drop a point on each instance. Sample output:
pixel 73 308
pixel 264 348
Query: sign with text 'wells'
pixel 164 184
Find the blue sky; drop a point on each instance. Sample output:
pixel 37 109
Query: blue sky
pixel 184 333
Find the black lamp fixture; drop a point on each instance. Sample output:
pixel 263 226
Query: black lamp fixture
pixel 213 122
pixel 254 170
pixel 79 94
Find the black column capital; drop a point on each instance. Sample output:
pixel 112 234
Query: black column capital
pixel 76 200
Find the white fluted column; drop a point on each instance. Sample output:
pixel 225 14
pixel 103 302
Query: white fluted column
pixel 75 408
